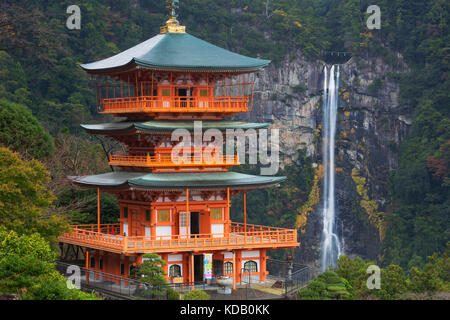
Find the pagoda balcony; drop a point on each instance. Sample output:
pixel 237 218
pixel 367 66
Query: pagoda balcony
pixel 168 161
pixel 157 104
pixel 240 236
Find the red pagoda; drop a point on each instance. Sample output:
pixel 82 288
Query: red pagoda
pixel 179 211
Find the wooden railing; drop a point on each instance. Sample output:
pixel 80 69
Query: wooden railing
pixel 256 236
pixel 168 160
pixel 110 228
pixel 158 104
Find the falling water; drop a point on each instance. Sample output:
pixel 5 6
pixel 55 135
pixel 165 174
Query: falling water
pixel 331 247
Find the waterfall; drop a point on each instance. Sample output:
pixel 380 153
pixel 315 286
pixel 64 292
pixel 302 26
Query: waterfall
pixel 331 246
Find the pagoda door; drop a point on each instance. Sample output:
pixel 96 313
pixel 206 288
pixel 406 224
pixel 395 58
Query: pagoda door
pixel 136 229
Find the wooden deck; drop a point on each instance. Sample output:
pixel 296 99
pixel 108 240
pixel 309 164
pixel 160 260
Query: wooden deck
pixel 167 161
pixel 254 237
pixel 158 104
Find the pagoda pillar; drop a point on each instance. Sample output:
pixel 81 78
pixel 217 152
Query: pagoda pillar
pixel 186 267
pixel 152 223
pixel 98 210
pixel 87 267
pixel 245 218
pixel 165 257
pixel 234 270
pixel 238 265
pixel 187 214
pixel 228 222
pixel 263 267
pixel 191 270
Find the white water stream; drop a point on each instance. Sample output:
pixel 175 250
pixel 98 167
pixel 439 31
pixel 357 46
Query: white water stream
pixel 331 246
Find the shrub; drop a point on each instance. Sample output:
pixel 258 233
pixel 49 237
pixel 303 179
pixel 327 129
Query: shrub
pixel 327 286
pixel 172 294
pixel 197 295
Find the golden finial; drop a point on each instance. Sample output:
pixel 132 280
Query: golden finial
pixel 172 25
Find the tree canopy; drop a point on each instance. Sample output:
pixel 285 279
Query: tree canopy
pixel 24 198
pixel 27 269
pixel 21 131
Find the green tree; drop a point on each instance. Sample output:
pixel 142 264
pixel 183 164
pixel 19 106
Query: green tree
pixel 151 271
pixel 393 283
pixel 435 275
pixel 20 131
pixel 13 81
pixel 327 286
pixel 26 269
pixel 24 198
pixel 355 272
pixel 393 280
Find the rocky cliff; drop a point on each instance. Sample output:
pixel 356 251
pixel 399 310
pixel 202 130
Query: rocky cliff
pixel 371 124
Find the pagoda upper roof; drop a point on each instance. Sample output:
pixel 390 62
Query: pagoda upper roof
pixel 176 181
pixel 164 126
pixel 177 52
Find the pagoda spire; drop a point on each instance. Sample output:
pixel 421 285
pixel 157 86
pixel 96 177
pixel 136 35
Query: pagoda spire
pixel 172 25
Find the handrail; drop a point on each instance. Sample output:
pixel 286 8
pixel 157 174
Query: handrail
pixel 110 228
pixel 81 226
pixel 255 235
pixel 174 104
pixel 159 161
pixel 255 227
pixel 105 281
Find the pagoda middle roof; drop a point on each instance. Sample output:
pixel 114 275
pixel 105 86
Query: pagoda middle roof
pixel 179 180
pixel 178 52
pixel 163 126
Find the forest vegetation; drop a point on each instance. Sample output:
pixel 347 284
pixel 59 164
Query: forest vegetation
pixel 44 96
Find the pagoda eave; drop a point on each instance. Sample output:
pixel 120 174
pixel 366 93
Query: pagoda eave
pixel 177 181
pixel 133 66
pixel 161 126
pixel 177 52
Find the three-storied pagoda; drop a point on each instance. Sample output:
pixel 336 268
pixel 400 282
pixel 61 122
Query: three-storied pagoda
pixel 180 211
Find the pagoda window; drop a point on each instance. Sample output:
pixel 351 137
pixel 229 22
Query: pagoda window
pixel 228 267
pixel 132 271
pixel 92 262
pixel 251 266
pixel 184 92
pixel 216 214
pixel 122 269
pixel 183 220
pixel 175 271
pixel 163 215
pixel 147 215
pixel 165 93
pixel 100 264
pixel 125 213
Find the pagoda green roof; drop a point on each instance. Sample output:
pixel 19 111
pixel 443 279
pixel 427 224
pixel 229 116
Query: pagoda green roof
pixel 163 126
pixel 171 181
pixel 177 52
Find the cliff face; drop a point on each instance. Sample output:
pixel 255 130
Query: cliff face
pixel 371 124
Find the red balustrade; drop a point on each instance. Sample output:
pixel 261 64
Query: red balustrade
pixel 240 236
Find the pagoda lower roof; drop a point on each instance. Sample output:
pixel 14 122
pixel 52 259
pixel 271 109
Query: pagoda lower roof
pixel 180 181
pixel 168 126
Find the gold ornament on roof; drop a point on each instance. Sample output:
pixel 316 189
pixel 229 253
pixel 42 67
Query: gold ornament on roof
pixel 172 25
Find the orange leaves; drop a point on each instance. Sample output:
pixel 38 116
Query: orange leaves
pixel 437 167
